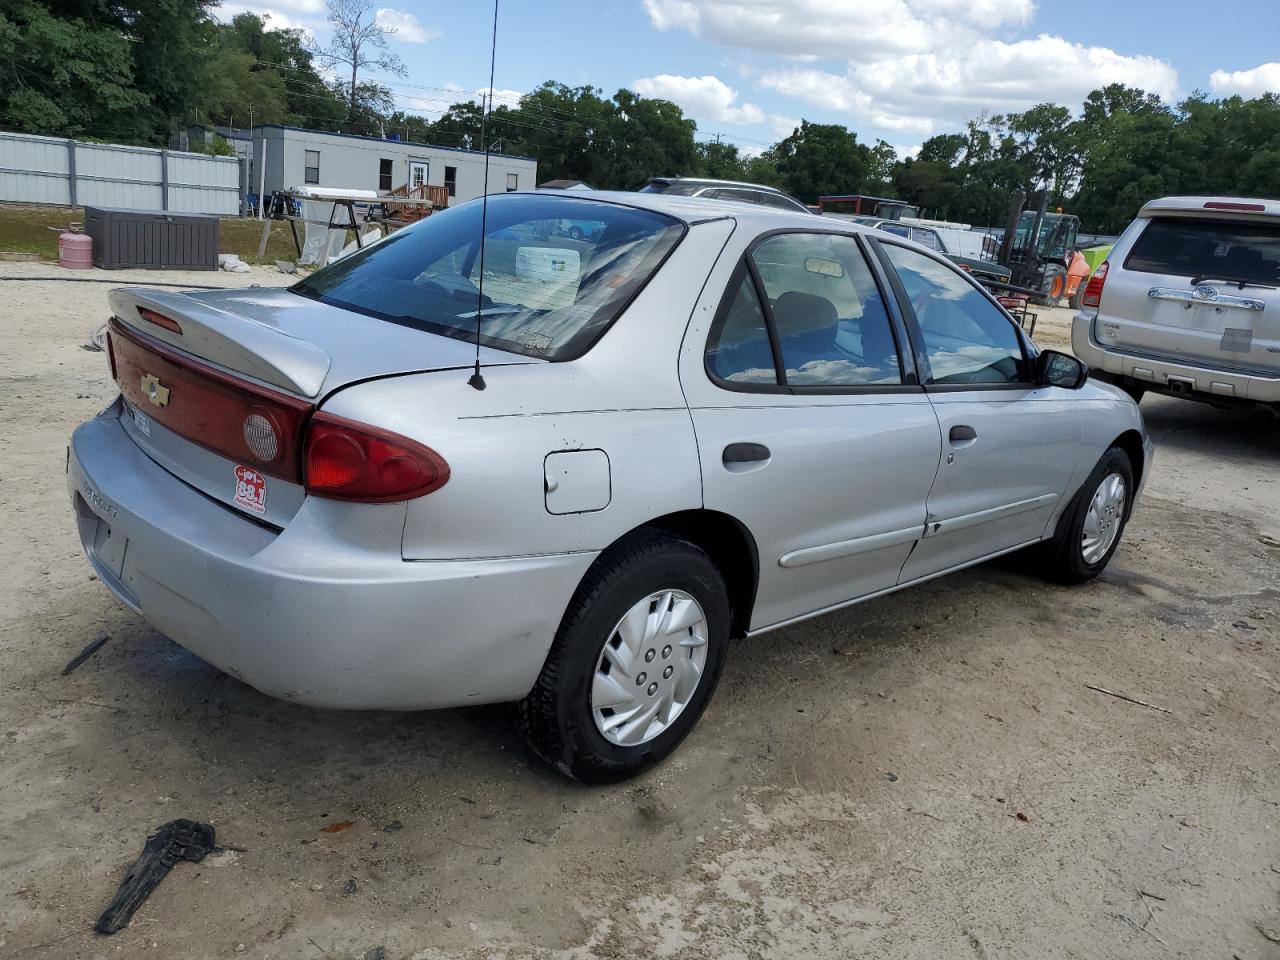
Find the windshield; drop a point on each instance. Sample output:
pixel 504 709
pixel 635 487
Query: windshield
pixel 557 272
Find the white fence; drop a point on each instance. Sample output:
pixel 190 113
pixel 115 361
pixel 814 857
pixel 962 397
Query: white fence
pixel 68 172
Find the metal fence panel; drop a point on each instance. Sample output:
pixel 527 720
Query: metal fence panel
pixel 50 170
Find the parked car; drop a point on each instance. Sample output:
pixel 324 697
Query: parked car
pixel 695 430
pixel 1187 302
pixel 973 256
pixel 724 190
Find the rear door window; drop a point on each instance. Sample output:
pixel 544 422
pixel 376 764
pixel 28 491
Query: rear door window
pixel 1208 249
pixel 826 311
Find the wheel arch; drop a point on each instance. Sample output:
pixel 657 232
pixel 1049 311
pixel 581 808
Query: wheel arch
pixel 1131 443
pixel 731 547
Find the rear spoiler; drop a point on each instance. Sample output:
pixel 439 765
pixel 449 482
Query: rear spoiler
pixel 241 345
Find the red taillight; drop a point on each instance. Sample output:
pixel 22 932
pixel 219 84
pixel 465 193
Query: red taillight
pixel 1093 291
pixel 160 320
pixel 230 416
pixel 1226 205
pixel 346 460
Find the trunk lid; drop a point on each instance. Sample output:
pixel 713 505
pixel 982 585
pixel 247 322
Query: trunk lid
pixel 194 367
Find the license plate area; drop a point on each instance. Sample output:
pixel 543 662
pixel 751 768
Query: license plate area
pixel 105 545
pixel 109 547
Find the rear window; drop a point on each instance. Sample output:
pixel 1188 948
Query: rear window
pixel 557 272
pixel 1208 249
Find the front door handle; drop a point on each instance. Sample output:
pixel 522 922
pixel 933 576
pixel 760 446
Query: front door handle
pixel 745 453
pixel 962 433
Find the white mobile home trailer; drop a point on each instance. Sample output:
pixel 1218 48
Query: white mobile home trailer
pixel 297 157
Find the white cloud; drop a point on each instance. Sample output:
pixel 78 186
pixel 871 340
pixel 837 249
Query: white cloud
pixel 860 30
pixel 919 92
pixel 1249 83
pixel 407 27
pixel 704 98
pixel 910 65
pixel 275 19
pixel 781 126
pixel 502 96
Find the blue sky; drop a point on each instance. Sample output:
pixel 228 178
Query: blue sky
pixel 901 70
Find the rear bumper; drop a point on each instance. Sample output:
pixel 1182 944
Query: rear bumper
pixel 1169 375
pixel 323 613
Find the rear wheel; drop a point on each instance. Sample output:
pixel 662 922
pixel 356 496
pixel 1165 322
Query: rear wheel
pixel 1077 299
pixel 1089 530
pixel 634 663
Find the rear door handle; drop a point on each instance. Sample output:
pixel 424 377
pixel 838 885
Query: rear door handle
pixel 745 453
pixel 962 433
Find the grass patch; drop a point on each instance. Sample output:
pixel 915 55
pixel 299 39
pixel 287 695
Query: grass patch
pixel 26 230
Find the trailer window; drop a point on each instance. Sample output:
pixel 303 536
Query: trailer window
pixel 311 166
pixel 1213 249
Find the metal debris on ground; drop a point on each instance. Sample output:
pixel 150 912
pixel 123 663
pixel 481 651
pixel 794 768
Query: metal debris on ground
pixel 176 840
pixel 1122 696
pixel 97 340
pixel 93 647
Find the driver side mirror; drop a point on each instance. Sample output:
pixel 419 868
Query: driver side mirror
pixel 1054 369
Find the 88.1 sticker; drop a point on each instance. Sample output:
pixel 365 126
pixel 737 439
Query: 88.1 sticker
pixel 251 489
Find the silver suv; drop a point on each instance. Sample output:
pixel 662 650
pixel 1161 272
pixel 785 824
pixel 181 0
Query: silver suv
pixel 1188 303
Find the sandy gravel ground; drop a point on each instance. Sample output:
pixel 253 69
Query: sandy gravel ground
pixel 924 776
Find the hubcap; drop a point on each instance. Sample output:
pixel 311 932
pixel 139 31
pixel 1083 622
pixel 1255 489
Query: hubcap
pixel 1102 521
pixel 651 664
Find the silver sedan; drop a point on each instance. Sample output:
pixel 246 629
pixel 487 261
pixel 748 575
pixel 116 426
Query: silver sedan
pixel 566 467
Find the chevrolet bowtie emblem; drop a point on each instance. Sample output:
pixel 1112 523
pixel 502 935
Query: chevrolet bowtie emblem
pixel 154 390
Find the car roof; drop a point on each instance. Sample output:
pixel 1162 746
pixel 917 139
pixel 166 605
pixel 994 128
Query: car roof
pixel 692 210
pixel 712 182
pixel 1212 206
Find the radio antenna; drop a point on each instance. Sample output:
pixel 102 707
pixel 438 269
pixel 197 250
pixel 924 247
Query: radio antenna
pixel 477 379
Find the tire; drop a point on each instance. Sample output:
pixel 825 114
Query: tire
pixel 1077 299
pixel 559 718
pixel 1067 557
pixel 1053 285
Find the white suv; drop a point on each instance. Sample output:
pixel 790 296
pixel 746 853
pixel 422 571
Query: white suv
pixel 1188 303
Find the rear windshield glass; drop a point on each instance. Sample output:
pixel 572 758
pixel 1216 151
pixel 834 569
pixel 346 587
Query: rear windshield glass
pixel 557 271
pixel 1209 249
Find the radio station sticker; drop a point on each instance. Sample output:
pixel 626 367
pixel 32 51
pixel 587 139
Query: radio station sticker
pixel 251 489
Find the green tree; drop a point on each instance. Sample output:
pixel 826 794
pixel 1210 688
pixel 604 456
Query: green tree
pixel 820 158
pixel 66 76
pixel 309 102
pixel 719 160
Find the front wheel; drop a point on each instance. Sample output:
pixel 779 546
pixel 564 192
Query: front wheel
pixel 634 663
pixel 1089 530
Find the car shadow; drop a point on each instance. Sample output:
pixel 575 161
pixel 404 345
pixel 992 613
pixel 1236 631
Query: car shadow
pixel 1210 431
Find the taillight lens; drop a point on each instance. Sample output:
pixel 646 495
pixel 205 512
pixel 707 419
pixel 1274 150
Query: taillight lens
pixel 1093 291
pixel 346 460
pixel 242 421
